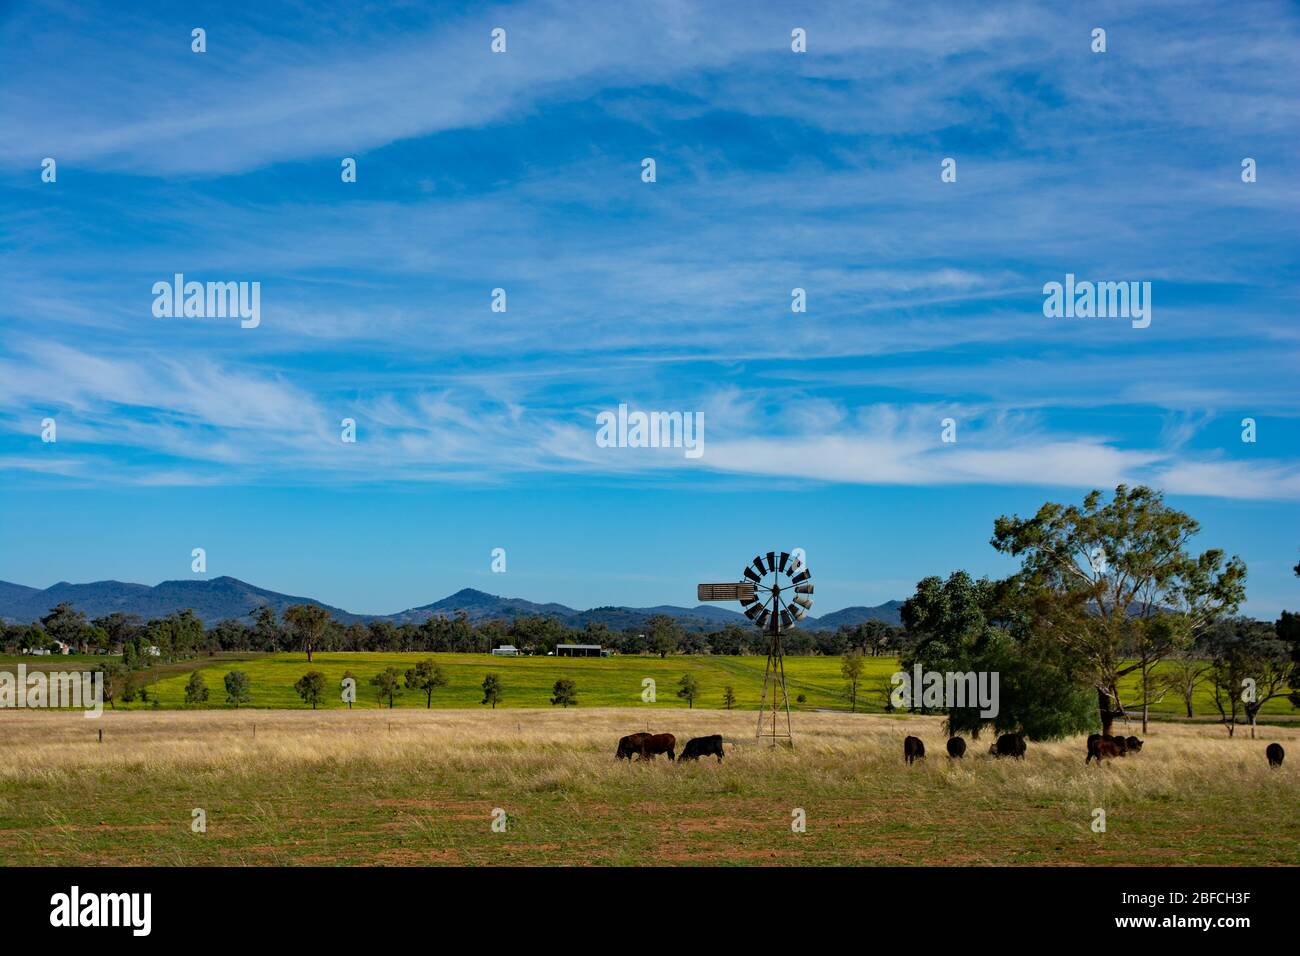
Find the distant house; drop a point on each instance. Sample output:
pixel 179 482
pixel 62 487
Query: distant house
pixel 505 650
pixel 152 651
pixel 580 650
pixel 54 647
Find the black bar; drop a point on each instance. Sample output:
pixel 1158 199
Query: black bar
pixel 298 905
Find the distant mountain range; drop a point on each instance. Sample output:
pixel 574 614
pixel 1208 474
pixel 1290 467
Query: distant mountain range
pixel 218 599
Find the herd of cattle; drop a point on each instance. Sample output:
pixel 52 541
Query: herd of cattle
pixel 1099 746
pixel 1008 745
pixel 647 746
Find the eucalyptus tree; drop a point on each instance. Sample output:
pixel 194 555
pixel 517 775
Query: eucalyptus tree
pixel 1114 579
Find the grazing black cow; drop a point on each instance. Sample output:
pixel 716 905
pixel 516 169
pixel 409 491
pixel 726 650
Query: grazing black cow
pixel 658 744
pixel 913 749
pixel 956 748
pixel 1009 745
pixel 1103 745
pixel 698 747
pixel 1121 743
pixel 1134 745
pixel 1275 755
pixel 630 745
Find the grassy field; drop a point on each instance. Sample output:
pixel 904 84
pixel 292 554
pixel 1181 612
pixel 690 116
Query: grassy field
pixel 602 682
pixel 419 787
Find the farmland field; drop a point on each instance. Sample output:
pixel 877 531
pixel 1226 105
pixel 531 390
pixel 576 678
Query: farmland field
pixel 412 786
pixel 602 682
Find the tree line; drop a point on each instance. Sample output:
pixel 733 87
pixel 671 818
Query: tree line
pixel 425 678
pixel 310 628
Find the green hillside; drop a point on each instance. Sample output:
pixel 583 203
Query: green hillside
pixel 604 682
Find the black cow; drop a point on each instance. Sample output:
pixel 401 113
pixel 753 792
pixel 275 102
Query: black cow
pixel 1009 745
pixel 1101 745
pixel 630 745
pixel 1275 755
pixel 956 748
pixel 698 747
pixel 1134 745
pixel 913 749
pixel 1121 743
pixel 658 744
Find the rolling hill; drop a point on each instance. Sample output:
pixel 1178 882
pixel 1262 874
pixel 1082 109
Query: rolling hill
pixel 211 600
pixel 222 598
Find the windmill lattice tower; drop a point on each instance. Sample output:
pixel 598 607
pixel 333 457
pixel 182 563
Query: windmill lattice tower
pixel 774 607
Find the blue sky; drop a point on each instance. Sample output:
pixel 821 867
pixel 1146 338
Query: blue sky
pixel 775 170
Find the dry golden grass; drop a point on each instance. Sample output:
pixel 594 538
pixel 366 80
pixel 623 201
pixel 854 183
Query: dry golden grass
pixel 412 786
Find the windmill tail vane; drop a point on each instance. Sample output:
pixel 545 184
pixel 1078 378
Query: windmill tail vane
pixel 776 593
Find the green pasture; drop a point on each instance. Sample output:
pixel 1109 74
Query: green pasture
pixel 527 681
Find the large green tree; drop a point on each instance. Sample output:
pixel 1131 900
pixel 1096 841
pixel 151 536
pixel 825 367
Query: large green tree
pixel 1249 666
pixel 492 690
pixel 65 623
pixel 196 690
pixel 851 669
pixel 688 688
pixel 1112 579
pixel 177 637
pixel 311 688
pixel 114 681
pixel 1184 672
pixel 536 633
pixel 426 676
pixel 665 634
pixel 388 683
pixel 565 692
pixel 237 691
pixel 875 637
pixel 267 632
pixel 961 625
pixel 119 627
pixel 310 623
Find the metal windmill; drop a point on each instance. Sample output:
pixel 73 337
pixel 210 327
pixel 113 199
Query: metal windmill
pixel 774 607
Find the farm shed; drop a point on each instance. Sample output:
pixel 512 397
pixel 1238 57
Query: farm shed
pixel 578 650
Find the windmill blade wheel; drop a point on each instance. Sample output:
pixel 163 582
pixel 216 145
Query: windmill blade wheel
pixel 785 583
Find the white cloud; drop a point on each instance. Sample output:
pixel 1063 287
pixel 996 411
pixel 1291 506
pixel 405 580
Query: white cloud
pixel 1265 480
pixel 213 421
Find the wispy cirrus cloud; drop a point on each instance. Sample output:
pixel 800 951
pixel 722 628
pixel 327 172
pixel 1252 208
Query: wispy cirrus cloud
pixel 776 171
pixel 211 421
